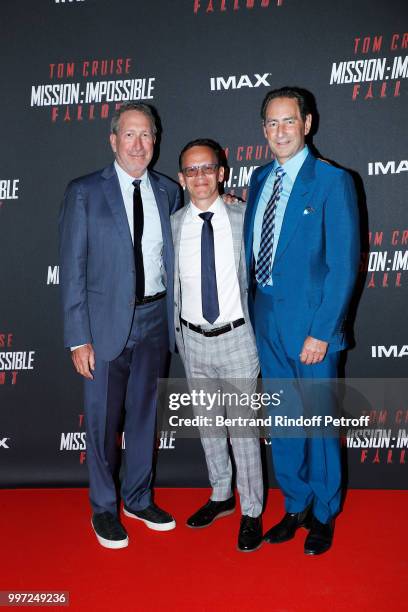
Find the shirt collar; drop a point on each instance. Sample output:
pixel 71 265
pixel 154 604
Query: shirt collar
pixel 294 164
pixel 216 208
pixel 126 180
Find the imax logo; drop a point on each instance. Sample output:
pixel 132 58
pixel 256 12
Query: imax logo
pixel 236 82
pixel 3 442
pixel 392 351
pixel 390 167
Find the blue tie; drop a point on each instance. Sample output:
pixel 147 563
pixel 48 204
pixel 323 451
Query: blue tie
pixel 263 267
pixel 209 294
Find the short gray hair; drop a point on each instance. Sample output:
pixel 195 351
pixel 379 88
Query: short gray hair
pixel 133 106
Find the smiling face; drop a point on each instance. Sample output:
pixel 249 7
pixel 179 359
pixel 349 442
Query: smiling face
pixel 133 144
pixel 203 188
pixel 285 129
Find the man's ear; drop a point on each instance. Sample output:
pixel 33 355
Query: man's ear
pixel 308 124
pixel 112 139
pixel 182 180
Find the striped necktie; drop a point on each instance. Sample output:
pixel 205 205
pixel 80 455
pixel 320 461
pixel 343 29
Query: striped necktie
pixel 263 267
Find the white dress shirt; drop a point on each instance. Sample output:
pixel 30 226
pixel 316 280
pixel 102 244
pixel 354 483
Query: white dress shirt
pixel 229 298
pixel 152 239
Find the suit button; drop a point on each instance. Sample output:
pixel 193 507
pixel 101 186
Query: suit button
pixel 177 329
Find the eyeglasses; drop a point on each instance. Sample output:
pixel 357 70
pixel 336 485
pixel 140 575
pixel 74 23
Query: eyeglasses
pixel 206 169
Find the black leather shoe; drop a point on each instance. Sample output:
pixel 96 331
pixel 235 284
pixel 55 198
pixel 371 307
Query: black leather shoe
pixel 211 511
pixel 108 530
pixel 286 529
pixel 153 517
pixel 250 533
pixel 320 537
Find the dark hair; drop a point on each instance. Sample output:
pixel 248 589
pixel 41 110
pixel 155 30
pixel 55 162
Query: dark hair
pixel 302 96
pixel 203 142
pixel 133 106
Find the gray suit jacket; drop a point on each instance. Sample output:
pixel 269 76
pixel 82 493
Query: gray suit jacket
pixel 236 213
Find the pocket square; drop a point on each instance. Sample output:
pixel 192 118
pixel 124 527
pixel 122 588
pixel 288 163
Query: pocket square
pixel 308 210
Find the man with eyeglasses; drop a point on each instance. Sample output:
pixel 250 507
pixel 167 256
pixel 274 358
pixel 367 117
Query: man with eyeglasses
pixel 213 332
pixel 302 248
pixel 116 272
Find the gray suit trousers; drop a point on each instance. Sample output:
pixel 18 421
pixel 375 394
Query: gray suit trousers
pixel 228 361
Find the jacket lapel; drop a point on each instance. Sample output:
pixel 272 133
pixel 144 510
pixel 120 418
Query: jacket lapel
pixel 296 204
pixel 177 226
pixel 162 201
pixel 113 195
pixel 235 218
pixel 252 205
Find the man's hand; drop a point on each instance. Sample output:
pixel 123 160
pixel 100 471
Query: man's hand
pixel 313 351
pixel 229 198
pixel 83 359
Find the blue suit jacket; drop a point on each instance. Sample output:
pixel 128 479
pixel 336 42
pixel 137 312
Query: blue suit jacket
pixel 317 257
pixel 97 268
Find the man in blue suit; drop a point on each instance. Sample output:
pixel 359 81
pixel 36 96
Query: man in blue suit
pixel 302 246
pixel 116 272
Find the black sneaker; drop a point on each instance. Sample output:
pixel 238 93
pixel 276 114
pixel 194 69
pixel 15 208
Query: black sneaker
pixel 153 517
pixel 108 530
pixel 210 511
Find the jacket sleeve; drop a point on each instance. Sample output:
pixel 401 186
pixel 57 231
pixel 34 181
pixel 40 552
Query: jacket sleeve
pixel 73 266
pixel 342 249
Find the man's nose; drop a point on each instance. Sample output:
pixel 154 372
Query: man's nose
pixel 137 142
pixel 281 128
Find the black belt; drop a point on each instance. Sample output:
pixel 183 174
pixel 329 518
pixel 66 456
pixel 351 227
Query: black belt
pixel 213 332
pixel 150 298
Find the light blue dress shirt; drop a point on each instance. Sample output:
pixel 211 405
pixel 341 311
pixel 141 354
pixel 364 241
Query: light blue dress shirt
pixel 291 168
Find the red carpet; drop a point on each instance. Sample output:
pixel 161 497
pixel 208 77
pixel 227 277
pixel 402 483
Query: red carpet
pixel 47 544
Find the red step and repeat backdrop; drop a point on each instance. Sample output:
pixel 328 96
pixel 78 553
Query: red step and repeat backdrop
pixel 206 66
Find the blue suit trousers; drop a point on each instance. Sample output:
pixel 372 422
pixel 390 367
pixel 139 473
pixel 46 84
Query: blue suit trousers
pixel 124 393
pixel 308 469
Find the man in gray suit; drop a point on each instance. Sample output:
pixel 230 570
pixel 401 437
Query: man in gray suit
pixel 213 333
pixel 116 272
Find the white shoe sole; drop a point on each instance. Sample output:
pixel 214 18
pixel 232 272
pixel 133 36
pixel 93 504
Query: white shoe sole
pixel 155 526
pixel 110 543
pixel 220 515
